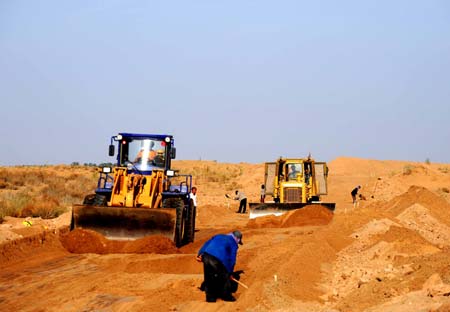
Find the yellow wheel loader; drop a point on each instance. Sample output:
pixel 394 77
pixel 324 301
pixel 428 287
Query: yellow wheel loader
pixel 141 195
pixel 293 183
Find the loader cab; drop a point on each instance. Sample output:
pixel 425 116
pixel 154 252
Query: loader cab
pixel 143 153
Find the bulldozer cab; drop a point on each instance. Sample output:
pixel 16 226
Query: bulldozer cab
pixel 293 171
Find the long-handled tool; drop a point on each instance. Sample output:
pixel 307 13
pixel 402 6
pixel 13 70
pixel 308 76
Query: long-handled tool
pixel 240 283
pixel 228 200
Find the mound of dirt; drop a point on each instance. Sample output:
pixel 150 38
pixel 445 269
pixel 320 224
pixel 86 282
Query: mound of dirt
pixel 438 206
pixel 406 241
pixel 46 244
pixel 87 241
pixel 270 221
pixel 308 215
pixel 151 244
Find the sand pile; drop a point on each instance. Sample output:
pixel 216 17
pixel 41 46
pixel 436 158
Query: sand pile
pixel 392 256
pixel 150 244
pixel 87 241
pixel 438 206
pixel 308 215
pixel 45 243
pixel 265 222
pixel 84 241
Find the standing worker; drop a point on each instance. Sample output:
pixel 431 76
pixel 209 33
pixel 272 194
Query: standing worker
pixel 240 196
pixel 193 196
pixel 218 255
pixel 354 193
pixel 263 193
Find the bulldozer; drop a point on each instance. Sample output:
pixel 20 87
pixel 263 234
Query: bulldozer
pixel 293 183
pixel 140 195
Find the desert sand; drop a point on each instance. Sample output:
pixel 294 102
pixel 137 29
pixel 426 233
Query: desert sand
pixel 390 253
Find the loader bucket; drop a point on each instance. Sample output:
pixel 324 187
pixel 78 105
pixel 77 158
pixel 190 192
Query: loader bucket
pixel 119 223
pixel 277 209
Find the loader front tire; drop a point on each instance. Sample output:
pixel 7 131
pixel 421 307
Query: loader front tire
pixel 189 228
pixel 95 200
pixel 178 204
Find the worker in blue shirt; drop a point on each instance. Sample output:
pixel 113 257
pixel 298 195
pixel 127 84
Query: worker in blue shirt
pixel 218 255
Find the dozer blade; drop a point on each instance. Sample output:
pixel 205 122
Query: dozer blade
pixel 119 223
pixel 277 209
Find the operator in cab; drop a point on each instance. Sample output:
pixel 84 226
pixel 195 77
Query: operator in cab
pixel 144 153
pixel 293 172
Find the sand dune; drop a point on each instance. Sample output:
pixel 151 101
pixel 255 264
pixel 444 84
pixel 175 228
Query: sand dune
pixel 390 253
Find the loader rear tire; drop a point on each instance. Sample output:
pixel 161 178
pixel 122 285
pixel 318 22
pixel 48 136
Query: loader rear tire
pixel 178 204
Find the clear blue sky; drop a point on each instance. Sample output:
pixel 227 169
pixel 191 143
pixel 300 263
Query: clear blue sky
pixel 231 80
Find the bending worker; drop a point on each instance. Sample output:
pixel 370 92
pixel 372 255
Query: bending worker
pixel 354 193
pixel 218 255
pixel 240 196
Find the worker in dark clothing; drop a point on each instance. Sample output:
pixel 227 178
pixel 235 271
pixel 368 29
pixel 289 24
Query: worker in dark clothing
pixel 354 193
pixel 307 175
pixel 218 255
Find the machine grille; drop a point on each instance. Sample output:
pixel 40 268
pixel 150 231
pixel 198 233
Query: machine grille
pixel 292 195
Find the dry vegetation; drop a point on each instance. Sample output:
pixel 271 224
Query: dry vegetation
pixel 214 179
pixel 43 191
pixel 210 172
pixel 48 191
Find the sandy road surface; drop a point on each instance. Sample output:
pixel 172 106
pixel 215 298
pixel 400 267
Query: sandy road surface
pixel 390 254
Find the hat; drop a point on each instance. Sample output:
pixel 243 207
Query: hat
pixel 238 234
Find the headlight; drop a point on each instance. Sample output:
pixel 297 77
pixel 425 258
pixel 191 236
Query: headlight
pixel 119 137
pixel 106 170
pixel 170 173
pixel 167 139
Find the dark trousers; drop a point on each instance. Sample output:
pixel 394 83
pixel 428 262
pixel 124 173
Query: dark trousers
pixel 217 283
pixel 242 205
